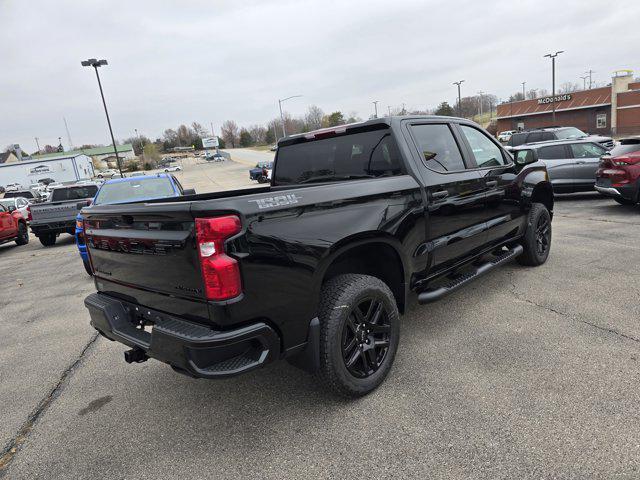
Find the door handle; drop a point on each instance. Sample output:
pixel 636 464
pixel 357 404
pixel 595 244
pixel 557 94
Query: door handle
pixel 581 162
pixel 492 183
pixel 439 195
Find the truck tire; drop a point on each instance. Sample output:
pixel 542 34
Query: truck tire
pixel 23 234
pixel 537 237
pixel 359 333
pixel 47 239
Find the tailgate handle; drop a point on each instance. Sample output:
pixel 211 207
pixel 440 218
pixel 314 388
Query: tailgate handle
pixel 492 183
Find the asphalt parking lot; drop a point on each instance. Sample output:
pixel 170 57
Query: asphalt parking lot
pixel 527 373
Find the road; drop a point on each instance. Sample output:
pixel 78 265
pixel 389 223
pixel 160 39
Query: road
pixel 527 373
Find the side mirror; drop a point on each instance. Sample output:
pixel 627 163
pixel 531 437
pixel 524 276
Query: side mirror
pixel 11 208
pixel 525 157
pixel 189 191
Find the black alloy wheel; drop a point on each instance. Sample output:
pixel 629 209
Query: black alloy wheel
pixel 543 234
pixel 365 338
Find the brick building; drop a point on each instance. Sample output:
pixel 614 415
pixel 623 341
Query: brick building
pixel 611 110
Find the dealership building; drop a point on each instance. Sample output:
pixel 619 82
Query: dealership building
pixel 611 110
pixel 63 169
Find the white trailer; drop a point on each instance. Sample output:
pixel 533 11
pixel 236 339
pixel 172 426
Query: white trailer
pixel 61 169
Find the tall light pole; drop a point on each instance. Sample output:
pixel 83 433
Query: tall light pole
pixel 375 106
pixel 37 144
pixel 92 62
pixel 553 56
pixel 389 108
pixel 284 132
pixel 584 82
pixel 524 95
pixel 458 83
pixel 590 72
pixel 480 93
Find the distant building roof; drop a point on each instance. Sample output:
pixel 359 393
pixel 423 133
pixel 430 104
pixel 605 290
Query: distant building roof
pixel 4 156
pixel 87 151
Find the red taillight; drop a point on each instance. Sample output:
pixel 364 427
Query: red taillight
pixel 29 217
pixel 220 272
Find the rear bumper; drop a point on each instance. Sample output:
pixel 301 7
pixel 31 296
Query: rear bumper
pixel 53 227
pixel 627 192
pixel 188 347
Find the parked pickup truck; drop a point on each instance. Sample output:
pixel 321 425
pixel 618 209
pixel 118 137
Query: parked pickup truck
pixel 317 267
pixel 58 214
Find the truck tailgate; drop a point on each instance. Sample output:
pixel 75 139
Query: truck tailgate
pixel 56 212
pixel 146 247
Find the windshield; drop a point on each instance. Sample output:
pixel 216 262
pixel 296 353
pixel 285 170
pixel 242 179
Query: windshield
pixel 7 203
pixel 624 149
pixel 135 190
pixel 18 194
pixel 570 133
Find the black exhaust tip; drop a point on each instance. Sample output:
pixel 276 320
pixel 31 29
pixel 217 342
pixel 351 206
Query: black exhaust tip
pixel 135 355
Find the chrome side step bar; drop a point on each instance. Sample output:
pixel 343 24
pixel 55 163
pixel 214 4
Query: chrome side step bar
pixel 429 296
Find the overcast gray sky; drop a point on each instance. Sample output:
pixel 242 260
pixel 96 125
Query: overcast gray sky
pixel 176 62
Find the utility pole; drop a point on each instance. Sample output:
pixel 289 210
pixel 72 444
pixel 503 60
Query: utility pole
pixel 66 127
pixel 92 62
pixel 553 56
pixel 404 110
pixel 375 106
pixel 458 83
pixel 212 134
pixel 590 82
pixel 37 144
pixel 584 82
pixel 284 131
pixel 480 93
pixel 524 95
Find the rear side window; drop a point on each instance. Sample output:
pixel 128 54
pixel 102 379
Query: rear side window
pixel 485 152
pixel 534 137
pixel 548 136
pixel 586 150
pixel 517 139
pixel 73 193
pixel 344 157
pixel 553 152
pixel 438 148
pixel 625 149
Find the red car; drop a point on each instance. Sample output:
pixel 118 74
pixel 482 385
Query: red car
pixel 618 175
pixel 13 226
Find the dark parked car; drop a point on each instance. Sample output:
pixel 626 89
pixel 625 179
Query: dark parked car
pixel 619 172
pixel 572 164
pixel 556 133
pixel 356 219
pixel 259 172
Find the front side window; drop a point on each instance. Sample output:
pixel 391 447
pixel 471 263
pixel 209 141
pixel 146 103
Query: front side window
pixel 485 152
pixel 438 148
pixel 552 152
pixel 586 150
pixel 365 154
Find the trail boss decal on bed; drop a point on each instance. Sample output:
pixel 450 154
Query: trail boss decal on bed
pixel 279 201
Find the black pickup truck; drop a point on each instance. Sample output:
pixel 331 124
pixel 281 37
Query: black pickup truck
pixel 317 267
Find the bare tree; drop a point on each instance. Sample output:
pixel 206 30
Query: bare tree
pixel 258 133
pixel 199 130
pixel 313 118
pixel 531 94
pixel 230 133
pixel 568 87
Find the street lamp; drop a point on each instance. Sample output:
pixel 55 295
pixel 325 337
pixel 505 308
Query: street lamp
pixel 524 95
pixel 553 56
pixel 92 62
pixel 480 93
pixel 375 105
pixel 284 132
pixel 584 82
pixel 458 83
